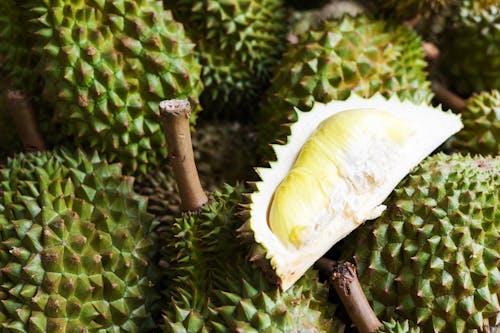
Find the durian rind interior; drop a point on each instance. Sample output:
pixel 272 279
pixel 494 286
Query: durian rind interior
pixel 347 166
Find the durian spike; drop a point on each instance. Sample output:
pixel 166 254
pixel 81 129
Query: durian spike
pixel 175 114
pixel 448 98
pixel 344 279
pixel 23 115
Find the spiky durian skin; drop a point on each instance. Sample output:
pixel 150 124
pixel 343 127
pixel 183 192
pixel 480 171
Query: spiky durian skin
pixel 74 246
pixel 107 66
pixel 470 51
pixel 238 44
pixel 398 327
pixel 481 132
pixel 358 54
pixel 434 255
pixel 213 288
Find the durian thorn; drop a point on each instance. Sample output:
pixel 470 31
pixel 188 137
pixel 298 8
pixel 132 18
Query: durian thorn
pixel 175 114
pixel 345 281
pixel 448 98
pixel 23 114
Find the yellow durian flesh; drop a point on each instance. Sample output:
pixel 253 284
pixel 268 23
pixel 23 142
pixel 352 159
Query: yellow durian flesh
pixel 302 203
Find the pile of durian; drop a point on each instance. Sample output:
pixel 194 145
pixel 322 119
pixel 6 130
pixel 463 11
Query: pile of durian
pixel 181 165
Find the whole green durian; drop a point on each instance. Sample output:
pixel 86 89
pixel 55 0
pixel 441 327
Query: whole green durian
pixel 238 43
pixel 470 47
pixel 73 246
pixel 213 288
pixel 106 66
pixel 360 55
pixel 434 255
pixel 481 132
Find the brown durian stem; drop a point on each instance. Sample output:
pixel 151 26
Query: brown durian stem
pixel 23 115
pixel 448 98
pixel 344 279
pixel 175 114
pixel 413 21
pixel 430 50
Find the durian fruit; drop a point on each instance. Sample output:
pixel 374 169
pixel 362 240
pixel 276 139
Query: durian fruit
pixel 213 288
pixel 73 246
pixel 107 64
pixel 481 132
pixel 470 47
pixel 238 43
pixel 359 55
pixel 302 21
pixel 339 164
pixel 398 327
pixel 434 255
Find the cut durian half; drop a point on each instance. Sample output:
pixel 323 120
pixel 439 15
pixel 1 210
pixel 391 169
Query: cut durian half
pixel 340 163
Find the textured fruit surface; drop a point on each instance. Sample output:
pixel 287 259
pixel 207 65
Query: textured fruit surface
pixel 355 55
pixel 470 47
pixel 215 289
pixel 238 43
pixel 341 161
pixel 107 66
pixel 434 255
pixel 73 246
pixel 481 132
pixel 398 327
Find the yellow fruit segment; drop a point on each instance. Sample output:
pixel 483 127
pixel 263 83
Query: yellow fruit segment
pixel 335 161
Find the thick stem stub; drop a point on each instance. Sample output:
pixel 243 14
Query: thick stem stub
pixel 345 281
pixel 24 119
pixel 175 114
pixel 448 98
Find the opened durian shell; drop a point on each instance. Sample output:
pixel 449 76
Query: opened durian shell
pixel 362 181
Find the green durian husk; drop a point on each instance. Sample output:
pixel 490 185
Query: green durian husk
pixel 481 119
pixel 74 246
pixel 469 44
pixel 360 54
pixel 213 288
pixel 107 65
pixel 433 257
pixel 394 326
pixel 238 43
